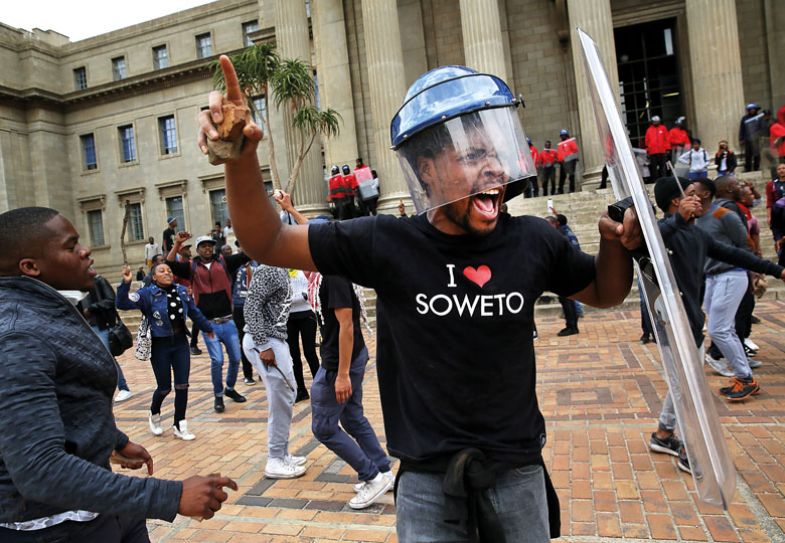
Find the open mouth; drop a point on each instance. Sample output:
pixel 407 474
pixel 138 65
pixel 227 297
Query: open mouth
pixel 486 203
pixel 91 270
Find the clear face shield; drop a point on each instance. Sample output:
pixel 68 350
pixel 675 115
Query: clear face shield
pixel 475 154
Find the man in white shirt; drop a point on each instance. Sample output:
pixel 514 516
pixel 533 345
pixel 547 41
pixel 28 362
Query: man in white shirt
pixel 150 250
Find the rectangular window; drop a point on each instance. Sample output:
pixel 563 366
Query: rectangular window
pixel 80 78
pixel 218 206
pixel 167 132
pixel 135 231
pixel 204 45
pixel 127 143
pixel 249 28
pixel 259 110
pixel 95 224
pixel 119 68
pixel 89 161
pixel 174 208
pixel 160 57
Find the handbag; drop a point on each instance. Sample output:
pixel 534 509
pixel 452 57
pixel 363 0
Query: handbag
pixel 144 342
pixel 120 339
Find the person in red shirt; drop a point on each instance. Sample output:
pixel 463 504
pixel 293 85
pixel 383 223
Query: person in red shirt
pixel 657 147
pixel 546 161
pixel 679 139
pixel 532 189
pixel 339 196
pixel 567 152
pixel 350 187
pixel 777 135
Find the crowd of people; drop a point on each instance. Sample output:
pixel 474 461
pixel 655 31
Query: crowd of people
pixel 453 281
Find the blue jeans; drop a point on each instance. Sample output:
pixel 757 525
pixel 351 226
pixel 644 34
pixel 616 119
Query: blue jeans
pixel 226 333
pixel 104 335
pixel 171 355
pixel 362 450
pixel 697 175
pixel 724 292
pixel 281 391
pixel 425 514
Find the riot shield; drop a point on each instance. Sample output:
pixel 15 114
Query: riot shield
pixel 696 415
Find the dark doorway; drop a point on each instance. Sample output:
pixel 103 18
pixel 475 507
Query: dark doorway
pixel 647 57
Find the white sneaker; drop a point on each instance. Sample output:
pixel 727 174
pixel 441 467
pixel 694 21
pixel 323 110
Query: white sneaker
pixel 122 396
pixel 358 486
pixel 751 344
pixel 754 363
pixel 371 491
pixel 279 468
pixel 154 422
pixel 183 432
pixel 719 365
pixel 295 460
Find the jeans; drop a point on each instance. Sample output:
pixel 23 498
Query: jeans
pixel 724 292
pixel 698 175
pixel 226 333
pixel 103 529
pixel 425 514
pixel 280 385
pixel 302 324
pixel 104 335
pixel 239 321
pixel 171 355
pixel 356 443
pixel 646 326
pixel 567 170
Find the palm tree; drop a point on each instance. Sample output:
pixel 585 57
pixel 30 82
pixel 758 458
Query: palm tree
pixel 259 71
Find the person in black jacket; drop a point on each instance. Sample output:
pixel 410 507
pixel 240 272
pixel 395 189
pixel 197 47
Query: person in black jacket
pixel 57 431
pixel 99 311
pixel 725 159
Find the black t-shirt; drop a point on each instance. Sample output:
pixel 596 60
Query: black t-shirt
pixel 337 293
pixel 455 354
pixel 168 237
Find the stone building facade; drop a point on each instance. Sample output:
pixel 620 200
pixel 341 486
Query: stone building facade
pixel 89 126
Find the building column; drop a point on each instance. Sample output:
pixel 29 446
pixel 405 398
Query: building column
pixel 387 89
pixel 293 41
pixel 329 32
pixel 596 20
pixel 482 37
pixel 714 34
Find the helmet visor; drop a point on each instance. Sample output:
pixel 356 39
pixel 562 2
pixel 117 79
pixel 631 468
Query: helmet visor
pixel 478 152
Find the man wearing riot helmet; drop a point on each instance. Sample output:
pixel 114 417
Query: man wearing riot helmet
pixel 455 292
pixel 340 197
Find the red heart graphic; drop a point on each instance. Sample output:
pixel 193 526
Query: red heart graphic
pixel 480 276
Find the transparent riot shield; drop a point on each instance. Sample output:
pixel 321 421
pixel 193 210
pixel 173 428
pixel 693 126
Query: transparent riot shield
pixel 696 415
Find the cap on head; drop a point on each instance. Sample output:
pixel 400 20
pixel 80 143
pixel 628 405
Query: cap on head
pixel 753 105
pixel 204 239
pixel 564 132
pixel 656 119
pixel 680 121
pixel 170 220
pixel 666 189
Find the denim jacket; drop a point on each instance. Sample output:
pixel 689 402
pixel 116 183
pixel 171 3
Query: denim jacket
pixel 151 301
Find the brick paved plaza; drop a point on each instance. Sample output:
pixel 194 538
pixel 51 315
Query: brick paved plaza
pixel 600 393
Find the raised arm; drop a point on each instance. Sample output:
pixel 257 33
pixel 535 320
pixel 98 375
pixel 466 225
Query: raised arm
pixel 255 221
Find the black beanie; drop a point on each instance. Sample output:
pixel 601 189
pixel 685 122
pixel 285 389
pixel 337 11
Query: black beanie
pixel 666 189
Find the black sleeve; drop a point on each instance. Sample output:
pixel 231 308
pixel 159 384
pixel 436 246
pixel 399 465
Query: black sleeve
pixel 233 262
pixel 180 269
pixel 571 270
pixel 340 292
pixel 105 297
pixel 741 258
pixel 347 248
pixel 670 225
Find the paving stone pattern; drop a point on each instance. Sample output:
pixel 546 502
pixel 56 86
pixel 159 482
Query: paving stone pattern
pixel 600 392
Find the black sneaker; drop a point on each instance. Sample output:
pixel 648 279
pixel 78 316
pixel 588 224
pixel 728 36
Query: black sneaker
pixel 741 389
pixel 233 394
pixel 754 320
pixel 683 462
pixel 670 445
pixel 301 395
pixel 568 332
pixel 196 351
pixel 219 404
pixel 249 381
pixel 645 339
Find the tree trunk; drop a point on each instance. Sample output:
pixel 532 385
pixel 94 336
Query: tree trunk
pixel 270 145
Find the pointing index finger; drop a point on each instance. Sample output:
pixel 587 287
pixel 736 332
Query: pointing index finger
pixel 233 92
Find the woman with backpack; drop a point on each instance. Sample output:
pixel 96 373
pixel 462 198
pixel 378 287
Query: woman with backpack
pixel 697 159
pixel 166 306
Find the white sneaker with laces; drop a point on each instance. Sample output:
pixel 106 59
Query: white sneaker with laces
pixel 295 460
pixel 122 396
pixel 154 422
pixel 751 344
pixel 358 486
pixel 183 432
pixel 719 366
pixel 279 468
pixel 371 491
